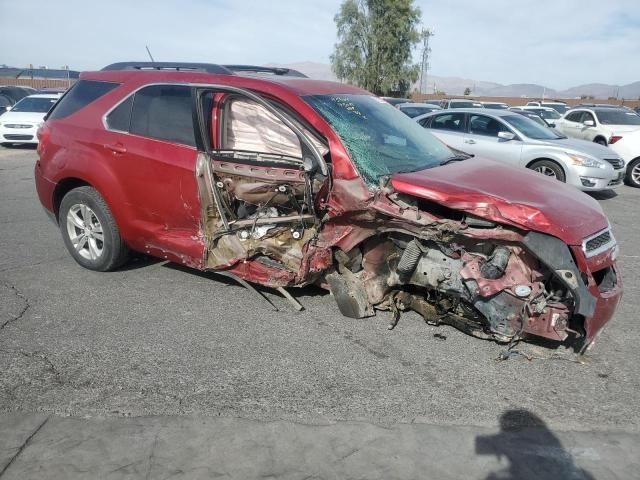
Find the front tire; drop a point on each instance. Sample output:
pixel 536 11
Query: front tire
pixel 548 168
pixel 633 173
pixel 89 231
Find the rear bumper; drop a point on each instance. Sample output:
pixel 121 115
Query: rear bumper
pixel 45 189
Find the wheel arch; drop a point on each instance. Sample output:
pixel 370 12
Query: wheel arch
pixel 539 159
pixel 63 187
pixel 600 137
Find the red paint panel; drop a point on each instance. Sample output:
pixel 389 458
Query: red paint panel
pixel 510 195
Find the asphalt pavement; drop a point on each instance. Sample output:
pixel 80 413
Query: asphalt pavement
pixel 161 341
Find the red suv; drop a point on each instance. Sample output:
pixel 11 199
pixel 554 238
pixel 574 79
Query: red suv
pixel 285 181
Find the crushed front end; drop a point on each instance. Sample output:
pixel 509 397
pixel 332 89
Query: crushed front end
pixel 486 279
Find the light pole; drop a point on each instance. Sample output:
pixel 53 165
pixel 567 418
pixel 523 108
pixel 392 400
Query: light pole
pixel 426 50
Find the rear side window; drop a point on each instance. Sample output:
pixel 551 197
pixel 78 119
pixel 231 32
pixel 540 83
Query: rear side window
pixel 449 121
pixel 80 95
pixel 574 117
pixel 163 112
pixel 119 117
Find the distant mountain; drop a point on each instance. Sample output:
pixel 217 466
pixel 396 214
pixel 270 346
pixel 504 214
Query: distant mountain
pixel 456 85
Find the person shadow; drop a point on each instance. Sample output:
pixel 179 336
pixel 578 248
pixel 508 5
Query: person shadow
pixel 532 450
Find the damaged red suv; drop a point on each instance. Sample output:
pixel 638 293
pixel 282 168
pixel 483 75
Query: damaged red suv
pixel 284 181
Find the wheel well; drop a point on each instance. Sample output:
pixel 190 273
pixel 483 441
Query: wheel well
pixel 64 187
pixel 546 159
pixel 600 137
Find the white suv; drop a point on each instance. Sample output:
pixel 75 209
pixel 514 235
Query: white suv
pixel 601 125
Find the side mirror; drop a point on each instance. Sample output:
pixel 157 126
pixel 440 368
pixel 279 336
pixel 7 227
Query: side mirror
pixel 552 125
pixel 506 136
pixel 589 123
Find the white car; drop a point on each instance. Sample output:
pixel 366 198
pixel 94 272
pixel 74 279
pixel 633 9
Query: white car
pixel 514 139
pixel 20 123
pixel 559 107
pixel 605 126
pixel 628 147
pixel 548 114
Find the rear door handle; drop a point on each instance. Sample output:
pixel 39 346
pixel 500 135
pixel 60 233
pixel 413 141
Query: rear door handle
pixel 469 140
pixel 116 148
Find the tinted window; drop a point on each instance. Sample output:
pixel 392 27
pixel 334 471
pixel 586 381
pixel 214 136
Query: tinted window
pixel 496 106
pixel 415 111
pixel 561 109
pixel 483 125
pixel 574 116
pixel 164 112
pixel 550 114
pixel 5 101
pixel 586 116
pixel 464 104
pixel 120 117
pixel 618 117
pixel 449 121
pixel 34 105
pixel 530 128
pixel 80 95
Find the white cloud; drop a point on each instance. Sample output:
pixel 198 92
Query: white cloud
pixel 557 43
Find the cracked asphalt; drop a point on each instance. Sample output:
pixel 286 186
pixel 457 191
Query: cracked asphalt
pixel 158 339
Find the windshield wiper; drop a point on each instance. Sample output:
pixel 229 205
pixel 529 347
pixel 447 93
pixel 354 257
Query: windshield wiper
pixel 456 158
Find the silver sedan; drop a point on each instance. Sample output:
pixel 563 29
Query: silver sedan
pixel 515 139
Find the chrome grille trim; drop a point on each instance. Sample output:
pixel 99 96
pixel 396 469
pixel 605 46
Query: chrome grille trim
pixel 616 163
pixel 598 243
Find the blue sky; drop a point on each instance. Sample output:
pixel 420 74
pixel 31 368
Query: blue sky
pixel 556 43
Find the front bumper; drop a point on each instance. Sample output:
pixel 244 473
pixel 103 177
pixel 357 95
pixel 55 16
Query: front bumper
pixel 594 282
pixel 18 135
pixel 589 179
pixel 607 296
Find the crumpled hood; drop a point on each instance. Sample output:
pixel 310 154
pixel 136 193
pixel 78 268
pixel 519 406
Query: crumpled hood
pixel 508 195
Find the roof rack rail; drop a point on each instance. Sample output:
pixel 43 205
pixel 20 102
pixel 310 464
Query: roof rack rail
pixel 178 66
pixel 280 71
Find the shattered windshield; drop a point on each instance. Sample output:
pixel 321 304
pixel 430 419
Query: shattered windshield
pixel 380 139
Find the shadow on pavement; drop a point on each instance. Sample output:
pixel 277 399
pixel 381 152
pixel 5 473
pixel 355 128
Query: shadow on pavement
pixel 530 448
pixel 604 194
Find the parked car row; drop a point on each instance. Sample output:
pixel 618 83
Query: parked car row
pixel 9 95
pixel 20 123
pixel 612 126
pixel 576 129
pixel 516 140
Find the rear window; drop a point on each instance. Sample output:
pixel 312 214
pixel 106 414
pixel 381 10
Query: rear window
pixel 80 95
pixel 617 117
pixel 34 105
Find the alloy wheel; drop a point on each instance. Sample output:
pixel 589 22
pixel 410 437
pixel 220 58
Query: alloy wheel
pixel 635 173
pixel 543 169
pixel 85 231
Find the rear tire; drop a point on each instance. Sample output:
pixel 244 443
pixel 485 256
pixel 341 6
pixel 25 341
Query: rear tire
pixel 633 173
pixel 548 168
pixel 89 231
pixel 600 141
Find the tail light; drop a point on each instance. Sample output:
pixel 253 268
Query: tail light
pixel 614 138
pixel 43 135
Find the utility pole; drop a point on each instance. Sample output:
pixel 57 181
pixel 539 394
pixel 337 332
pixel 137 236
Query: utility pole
pixel 424 67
